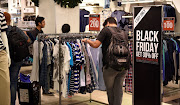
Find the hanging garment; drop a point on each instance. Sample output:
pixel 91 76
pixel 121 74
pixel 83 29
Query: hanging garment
pixel 164 50
pixel 103 16
pixel 65 70
pixel 88 77
pixel 107 4
pixel 118 15
pixel 169 62
pixel 70 49
pixel 44 71
pixel 93 66
pixel 56 65
pixel 169 11
pixel 83 20
pixel 176 60
pixel 78 60
pixel 82 72
pixel 35 66
pixel 92 86
pixel 100 72
pixel 82 77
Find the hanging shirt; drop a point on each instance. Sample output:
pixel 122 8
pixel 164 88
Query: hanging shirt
pixel 83 20
pixel 35 67
pixel 107 4
pixel 48 53
pixel 78 61
pixel 93 65
pixel 169 11
pixel 118 15
pixel 56 65
pixel 82 77
pixel 104 15
pixel 100 73
pixel 88 77
pixel 65 70
pixel 70 49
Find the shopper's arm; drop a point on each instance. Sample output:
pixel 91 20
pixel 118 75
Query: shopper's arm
pixel 94 44
pixel 23 34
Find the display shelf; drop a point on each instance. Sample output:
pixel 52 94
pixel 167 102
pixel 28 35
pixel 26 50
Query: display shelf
pixel 14 14
pixel 91 6
pixel 29 13
pixel 137 2
pixel 127 16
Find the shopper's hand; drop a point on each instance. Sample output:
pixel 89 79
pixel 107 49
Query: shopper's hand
pixel 84 40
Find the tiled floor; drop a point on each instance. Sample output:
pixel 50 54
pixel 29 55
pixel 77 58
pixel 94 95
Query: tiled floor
pixel 81 99
pixel 78 99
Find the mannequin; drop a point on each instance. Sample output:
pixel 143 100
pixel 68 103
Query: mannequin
pixel 5 97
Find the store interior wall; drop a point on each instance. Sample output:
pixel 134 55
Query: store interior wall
pixel 47 10
pixel 56 16
pixel 67 16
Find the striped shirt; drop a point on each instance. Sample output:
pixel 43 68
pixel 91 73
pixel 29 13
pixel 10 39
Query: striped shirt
pixel 3 27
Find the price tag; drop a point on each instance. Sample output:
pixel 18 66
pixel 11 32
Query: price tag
pixel 94 22
pixel 168 24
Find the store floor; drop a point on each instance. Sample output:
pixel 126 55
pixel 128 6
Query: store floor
pixel 78 99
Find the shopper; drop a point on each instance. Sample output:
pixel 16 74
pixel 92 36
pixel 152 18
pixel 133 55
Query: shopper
pixel 15 65
pixel 4 64
pixel 65 28
pixel 113 77
pixel 40 23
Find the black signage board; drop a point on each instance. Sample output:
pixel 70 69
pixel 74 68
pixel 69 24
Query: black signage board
pixel 147 55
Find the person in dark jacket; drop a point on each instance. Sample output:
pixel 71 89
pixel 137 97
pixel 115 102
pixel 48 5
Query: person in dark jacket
pixel 40 23
pixel 15 66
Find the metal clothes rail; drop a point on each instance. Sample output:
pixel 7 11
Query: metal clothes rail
pixel 172 33
pixel 65 37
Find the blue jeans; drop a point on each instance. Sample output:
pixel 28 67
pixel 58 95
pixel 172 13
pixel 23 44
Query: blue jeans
pixel 14 71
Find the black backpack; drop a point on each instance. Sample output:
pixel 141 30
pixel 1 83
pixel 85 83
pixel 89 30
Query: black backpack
pixel 18 45
pixel 118 55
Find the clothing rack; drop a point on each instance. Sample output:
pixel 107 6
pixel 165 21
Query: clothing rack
pixel 173 93
pixel 172 33
pixel 64 37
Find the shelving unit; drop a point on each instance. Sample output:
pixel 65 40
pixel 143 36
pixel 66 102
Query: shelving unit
pixel 127 16
pixel 145 1
pixel 17 7
pixel 136 2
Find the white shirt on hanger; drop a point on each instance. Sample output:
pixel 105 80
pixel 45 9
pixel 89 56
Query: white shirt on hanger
pixel 35 66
